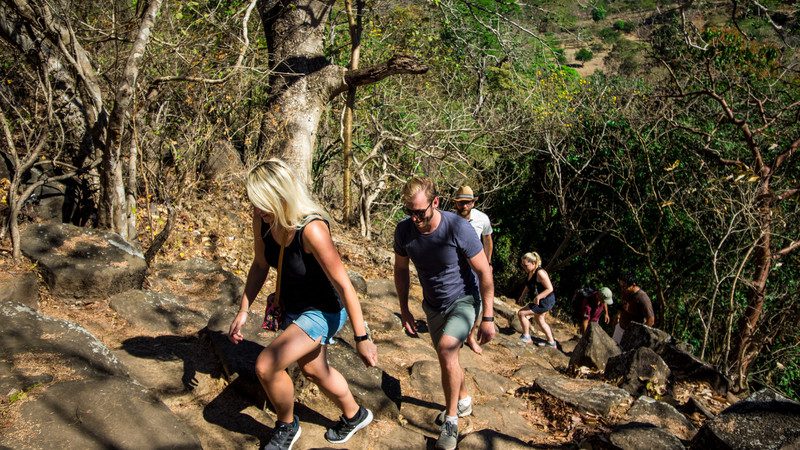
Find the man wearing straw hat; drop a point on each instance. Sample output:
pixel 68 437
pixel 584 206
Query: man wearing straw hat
pixel 465 207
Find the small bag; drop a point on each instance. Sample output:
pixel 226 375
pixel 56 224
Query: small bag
pixel 273 314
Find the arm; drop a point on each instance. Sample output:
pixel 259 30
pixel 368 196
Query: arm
pixel 605 310
pixel 548 286
pixel 481 267
pixel 488 247
pixel 523 295
pixel 256 276
pixel 317 241
pixel 402 280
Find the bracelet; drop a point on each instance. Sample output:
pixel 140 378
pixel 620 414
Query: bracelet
pixel 361 338
pixel 487 319
pixel 245 311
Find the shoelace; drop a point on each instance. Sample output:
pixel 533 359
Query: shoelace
pixel 342 425
pixel 449 428
pixel 282 432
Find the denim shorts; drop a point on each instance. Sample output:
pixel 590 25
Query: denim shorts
pixel 545 304
pixel 317 323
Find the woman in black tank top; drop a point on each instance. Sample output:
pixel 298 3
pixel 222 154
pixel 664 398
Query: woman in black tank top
pixel 538 283
pixel 315 292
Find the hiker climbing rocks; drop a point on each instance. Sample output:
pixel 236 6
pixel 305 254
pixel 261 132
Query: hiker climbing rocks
pixel 464 205
pixel 592 304
pixel 445 251
pixel 538 283
pixel 315 296
pixel 635 306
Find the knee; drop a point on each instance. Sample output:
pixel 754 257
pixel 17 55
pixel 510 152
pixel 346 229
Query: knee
pixel 265 366
pixel 312 374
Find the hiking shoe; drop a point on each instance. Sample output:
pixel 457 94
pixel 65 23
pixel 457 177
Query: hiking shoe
pixel 448 438
pixel 461 413
pixel 525 339
pixel 547 344
pixel 284 435
pixel 345 428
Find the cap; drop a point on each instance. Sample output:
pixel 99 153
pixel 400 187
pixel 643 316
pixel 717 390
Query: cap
pixel 605 294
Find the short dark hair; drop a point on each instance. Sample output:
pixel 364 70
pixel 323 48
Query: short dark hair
pixel 628 278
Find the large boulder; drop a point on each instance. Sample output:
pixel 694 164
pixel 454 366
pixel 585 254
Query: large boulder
pixel 83 264
pixel 56 346
pixel 20 288
pixel 358 282
pixel 223 161
pixel 491 439
pixel 594 349
pixel 663 415
pixel 586 395
pixel 687 367
pixel 158 313
pixel 642 436
pixel 636 369
pixel 103 413
pixel 765 420
pixel 200 284
pixel 640 335
pixel 504 309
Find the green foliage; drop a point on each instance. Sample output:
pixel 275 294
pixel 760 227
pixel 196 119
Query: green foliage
pixel 598 13
pixel 609 35
pixel 624 26
pixel 584 55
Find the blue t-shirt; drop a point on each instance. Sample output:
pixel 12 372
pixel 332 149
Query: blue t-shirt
pixel 441 258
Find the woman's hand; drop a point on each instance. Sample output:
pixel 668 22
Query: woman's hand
pixel 235 332
pixel 368 352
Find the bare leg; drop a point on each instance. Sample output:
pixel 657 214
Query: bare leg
pixel 271 366
pixel 524 320
pixel 540 319
pixel 452 374
pixel 315 367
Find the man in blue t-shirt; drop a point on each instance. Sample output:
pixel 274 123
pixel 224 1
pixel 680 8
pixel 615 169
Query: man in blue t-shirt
pixel 445 251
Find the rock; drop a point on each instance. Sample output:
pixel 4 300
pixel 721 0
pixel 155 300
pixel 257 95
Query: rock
pixel 20 288
pixel 379 318
pixel 516 325
pixel 102 413
pixel 687 367
pixel 200 284
pixel 370 386
pixel 639 335
pixel 425 378
pixel 83 264
pixel 13 382
pixel 382 289
pixel 765 420
pixel 502 414
pixel 57 344
pixel 662 415
pixel 594 349
pixel 529 373
pixel 223 161
pixel 505 309
pixel 491 439
pixel 358 281
pixel 639 437
pixel 555 357
pixel 636 369
pixel 586 395
pixel 487 383
pixel 158 313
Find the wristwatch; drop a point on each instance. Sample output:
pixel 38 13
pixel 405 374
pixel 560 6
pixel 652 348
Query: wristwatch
pixel 487 319
pixel 361 338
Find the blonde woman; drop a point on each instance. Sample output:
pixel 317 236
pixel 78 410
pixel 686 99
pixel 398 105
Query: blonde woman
pixel 316 297
pixel 538 283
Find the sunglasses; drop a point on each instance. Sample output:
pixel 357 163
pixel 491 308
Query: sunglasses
pixel 417 213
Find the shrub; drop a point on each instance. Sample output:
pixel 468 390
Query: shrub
pixel 598 13
pixel 624 26
pixel 584 55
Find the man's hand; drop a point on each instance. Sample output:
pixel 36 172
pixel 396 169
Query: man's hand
pixel 368 352
pixel 486 332
pixel 235 331
pixel 408 322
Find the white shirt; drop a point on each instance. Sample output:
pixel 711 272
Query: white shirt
pixel 480 223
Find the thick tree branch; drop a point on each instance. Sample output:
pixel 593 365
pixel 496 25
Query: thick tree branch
pixel 398 64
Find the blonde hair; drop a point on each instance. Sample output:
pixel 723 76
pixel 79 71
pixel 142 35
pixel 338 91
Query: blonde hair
pixel 533 257
pixel 274 188
pixel 417 184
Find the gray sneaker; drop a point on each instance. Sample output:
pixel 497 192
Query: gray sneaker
pixel 525 339
pixel 448 438
pixel 547 344
pixel 461 413
pixel 284 435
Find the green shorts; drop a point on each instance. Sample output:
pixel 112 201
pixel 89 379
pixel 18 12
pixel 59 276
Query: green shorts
pixel 455 321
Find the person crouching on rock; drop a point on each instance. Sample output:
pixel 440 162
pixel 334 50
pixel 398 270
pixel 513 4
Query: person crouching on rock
pixel 313 286
pixel 543 301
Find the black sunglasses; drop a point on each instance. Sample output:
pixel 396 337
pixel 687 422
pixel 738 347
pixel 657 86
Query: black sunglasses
pixel 418 213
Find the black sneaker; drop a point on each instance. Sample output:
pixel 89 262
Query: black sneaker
pixel 346 428
pixel 284 435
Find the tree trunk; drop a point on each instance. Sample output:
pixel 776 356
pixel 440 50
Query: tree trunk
pixel 304 81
